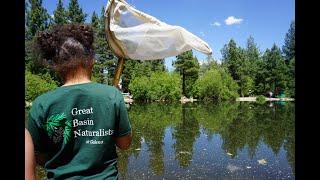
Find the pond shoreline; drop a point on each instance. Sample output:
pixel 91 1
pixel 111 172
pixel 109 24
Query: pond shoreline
pixel 129 100
pixel 253 99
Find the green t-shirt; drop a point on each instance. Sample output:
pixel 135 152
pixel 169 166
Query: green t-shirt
pixel 76 125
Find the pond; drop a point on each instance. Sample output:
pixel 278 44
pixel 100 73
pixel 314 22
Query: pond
pixel 238 140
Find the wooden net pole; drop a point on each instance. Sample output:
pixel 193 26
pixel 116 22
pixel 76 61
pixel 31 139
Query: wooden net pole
pixel 118 72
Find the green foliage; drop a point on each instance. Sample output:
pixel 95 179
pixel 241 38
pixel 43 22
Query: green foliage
pixel 159 86
pixel 256 74
pixel 136 68
pixel 240 67
pixel 188 67
pixel 37 18
pixel 289 43
pixel 36 85
pixel 75 13
pixel 103 69
pixel 95 21
pixel 139 88
pixel 261 99
pixel 291 78
pixel 102 32
pixel 246 85
pixel 164 86
pixel 60 14
pixel 277 70
pixel 216 84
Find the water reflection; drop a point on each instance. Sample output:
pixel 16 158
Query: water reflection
pixel 185 133
pixel 210 140
pixel 242 127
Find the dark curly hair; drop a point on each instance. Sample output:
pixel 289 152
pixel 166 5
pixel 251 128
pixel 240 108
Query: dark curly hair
pixel 65 47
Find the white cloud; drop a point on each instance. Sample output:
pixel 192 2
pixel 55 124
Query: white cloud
pixel 216 24
pixel 232 20
pixel 52 16
pixel 202 33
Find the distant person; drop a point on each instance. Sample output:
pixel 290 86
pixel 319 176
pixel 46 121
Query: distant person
pixel 75 128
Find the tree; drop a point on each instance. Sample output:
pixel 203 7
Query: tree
pixel 60 14
pixel 253 55
pixel 230 58
pixel 235 59
pixel 95 21
pixel 289 54
pixel 291 78
pixel 37 19
pixel 188 67
pixel 277 70
pixel 102 32
pixel 289 43
pixel 75 13
pixel 105 58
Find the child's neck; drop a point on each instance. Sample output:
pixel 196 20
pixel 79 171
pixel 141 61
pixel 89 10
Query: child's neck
pixel 76 81
pixel 77 78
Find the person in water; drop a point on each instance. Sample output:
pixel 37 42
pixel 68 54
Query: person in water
pixel 73 130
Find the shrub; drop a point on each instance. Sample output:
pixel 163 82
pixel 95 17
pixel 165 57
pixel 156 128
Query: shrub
pixel 35 85
pixel 159 86
pixel 216 84
pixel 261 99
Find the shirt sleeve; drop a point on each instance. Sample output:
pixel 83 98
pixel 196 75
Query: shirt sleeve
pixel 123 126
pixel 36 130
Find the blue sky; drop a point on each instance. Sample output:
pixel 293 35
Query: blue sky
pixel 215 21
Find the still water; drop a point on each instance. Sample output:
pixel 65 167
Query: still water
pixel 210 141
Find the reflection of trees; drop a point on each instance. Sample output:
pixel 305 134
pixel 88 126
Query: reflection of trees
pixel 246 124
pixel 154 140
pixel 289 145
pixel 185 134
pixel 149 121
pixel 123 156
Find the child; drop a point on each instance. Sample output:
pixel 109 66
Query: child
pixel 75 127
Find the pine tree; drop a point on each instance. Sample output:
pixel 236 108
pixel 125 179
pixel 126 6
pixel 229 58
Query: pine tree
pixel 277 77
pixel 101 32
pixel 188 67
pixel 252 50
pixel 253 57
pixel 26 19
pixel 60 14
pixel 289 43
pixel 106 60
pixel 231 59
pixel 236 60
pixel 75 13
pixel 289 54
pixel 95 22
pixel 38 18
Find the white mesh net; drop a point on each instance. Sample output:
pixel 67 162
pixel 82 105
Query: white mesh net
pixel 136 35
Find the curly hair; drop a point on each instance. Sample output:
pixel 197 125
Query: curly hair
pixel 65 47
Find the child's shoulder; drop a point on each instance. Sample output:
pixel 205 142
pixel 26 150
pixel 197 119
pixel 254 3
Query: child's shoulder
pixel 45 96
pixel 108 87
